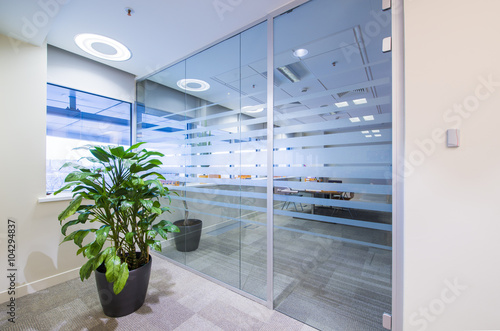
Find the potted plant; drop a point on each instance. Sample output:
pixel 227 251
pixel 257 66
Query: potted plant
pixel 121 192
pixel 188 237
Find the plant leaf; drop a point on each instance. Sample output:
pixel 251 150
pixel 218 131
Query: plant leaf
pixel 134 146
pixel 79 236
pixel 68 224
pixel 86 269
pixel 112 268
pixel 126 205
pixel 100 154
pixel 100 238
pixel 154 244
pixel 103 256
pixel 71 209
pixel 65 187
pixel 129 238
pixel 121 278
pixel 117 151
pixel 76 176
pixel 148 204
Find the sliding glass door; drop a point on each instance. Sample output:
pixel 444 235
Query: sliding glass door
pixel 332 164
pixel 294 196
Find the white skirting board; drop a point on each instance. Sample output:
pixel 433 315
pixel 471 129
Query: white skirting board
pixel 40 285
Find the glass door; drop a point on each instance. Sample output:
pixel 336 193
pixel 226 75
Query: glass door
pixel 332 164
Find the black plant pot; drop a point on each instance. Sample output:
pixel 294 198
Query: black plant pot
pixel 130 298
pixel 188 239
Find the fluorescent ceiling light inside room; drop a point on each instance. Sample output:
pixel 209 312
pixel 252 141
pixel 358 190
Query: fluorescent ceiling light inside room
pixel 288 73
pixel 368 118
pixel 194 85
pixel 301 52
pixel 354 119
pixel 359 101
pixel 376 131
pixel 378 135
pixel 342 104
pixel 365 132
pixel 102 47
pixel 252 109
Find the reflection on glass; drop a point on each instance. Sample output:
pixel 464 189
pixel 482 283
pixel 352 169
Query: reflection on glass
pixel 332 165
pixel 207 115
pixel 75 119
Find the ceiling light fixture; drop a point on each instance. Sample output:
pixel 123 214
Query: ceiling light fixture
pixel 365 132
pixel 88 43
pixel 187 84
pixel 252 109
pixel 378 135
pixel 376 131
pixel 368 118
pixel 301 52
pixel 288 73
pixel 359 101
pixel 354 119
pixel 368 136
pixel 342 104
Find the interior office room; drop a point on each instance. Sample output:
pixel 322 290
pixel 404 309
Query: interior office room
pixel 340 155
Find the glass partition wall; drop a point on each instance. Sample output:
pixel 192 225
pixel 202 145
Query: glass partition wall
pixel 330 170
pixel 207 115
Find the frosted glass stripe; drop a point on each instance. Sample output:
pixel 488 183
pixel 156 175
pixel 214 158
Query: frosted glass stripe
pixel 260 120
pixel 335 202
pixel 351 241
pixel 331 125
pixel 261 182
pixel 342 187
pixel 179 136
pixel 367 172
pixel 219 204
pixel 220 159
pixel 337 220
pixel 226 147
pixel 243 220
pixel 335 139
pixel 375 154
pixel 366 154
pixel 215 170
pixel 371 171
pixel 220 191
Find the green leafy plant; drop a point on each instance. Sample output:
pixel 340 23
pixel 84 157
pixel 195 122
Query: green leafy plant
pixel 124 193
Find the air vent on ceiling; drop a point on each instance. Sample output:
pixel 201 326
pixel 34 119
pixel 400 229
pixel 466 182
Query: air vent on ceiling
pixel 355 92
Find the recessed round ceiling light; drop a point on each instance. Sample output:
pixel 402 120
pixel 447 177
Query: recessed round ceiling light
pixel 250 110
pixel 103 47
pixel 195 85
pixel 301 52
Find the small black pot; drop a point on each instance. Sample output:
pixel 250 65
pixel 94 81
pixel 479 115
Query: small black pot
pixel 130 298
pixel 189 238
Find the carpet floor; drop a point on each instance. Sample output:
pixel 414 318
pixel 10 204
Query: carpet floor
pixel 177 299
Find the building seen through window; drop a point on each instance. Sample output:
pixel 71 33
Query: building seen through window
pixel 76 119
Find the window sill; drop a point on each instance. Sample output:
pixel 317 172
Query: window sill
pixel 54 198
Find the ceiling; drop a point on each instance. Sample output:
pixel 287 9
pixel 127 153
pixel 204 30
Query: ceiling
pixel 345 63
pixel 158 32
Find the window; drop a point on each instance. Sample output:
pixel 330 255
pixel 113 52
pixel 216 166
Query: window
pixel 75 119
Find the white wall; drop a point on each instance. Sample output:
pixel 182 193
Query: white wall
pixel 452 214
pixel 70 70
pixel 40 261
